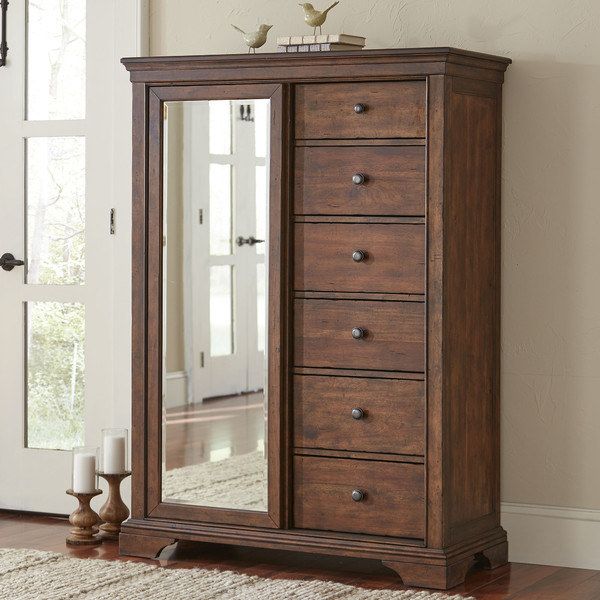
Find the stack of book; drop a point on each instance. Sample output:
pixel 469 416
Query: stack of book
pixel 320 43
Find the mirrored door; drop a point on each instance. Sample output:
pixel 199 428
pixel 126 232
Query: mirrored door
pixel 215 249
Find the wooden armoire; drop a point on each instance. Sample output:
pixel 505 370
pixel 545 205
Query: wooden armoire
pixel 381 303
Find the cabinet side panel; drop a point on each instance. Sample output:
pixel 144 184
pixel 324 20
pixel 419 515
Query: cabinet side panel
pixel 139 300
pixel 436 461
pixel 471 309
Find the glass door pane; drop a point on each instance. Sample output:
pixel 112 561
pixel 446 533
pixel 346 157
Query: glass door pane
pixel 55 342
pixel 55 210
pixel 56 57
pixel 221 310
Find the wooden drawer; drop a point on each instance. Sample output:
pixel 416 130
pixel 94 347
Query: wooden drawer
pixel 394 340
pixel 394 257
pixel 392 110
pixel 393 503
pixel 390 416
pixel 394 180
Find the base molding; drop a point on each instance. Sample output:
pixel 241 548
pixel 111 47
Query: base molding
pixel 417 565
pixel 553 535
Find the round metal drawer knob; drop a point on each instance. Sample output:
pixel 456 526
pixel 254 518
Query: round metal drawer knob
pixel 358 495
pixel 358 333
pixel 358 413
pixel 359 108
pixel 359 255
pixel 358 179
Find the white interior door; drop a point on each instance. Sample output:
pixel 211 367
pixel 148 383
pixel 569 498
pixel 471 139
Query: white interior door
pixel 60 177
pixel 225 180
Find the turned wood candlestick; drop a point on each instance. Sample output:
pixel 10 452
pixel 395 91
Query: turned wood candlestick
pixel 114 511
pixel 84 520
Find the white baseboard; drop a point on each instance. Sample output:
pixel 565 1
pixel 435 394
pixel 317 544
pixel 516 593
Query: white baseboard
pixel 550 535
pixel 176 389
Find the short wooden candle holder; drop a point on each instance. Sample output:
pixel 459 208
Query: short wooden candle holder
pixel 114 511
pixel 84 520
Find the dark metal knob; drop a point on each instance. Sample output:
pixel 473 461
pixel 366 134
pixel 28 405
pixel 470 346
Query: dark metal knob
pixel 8 262
pixel 359 108
pixel 358 333
pixel 358 495
pixel 358 413
pixel 358 179
pixel 359 255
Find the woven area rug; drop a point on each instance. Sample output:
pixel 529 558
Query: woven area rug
pixel 35 575
pixel 236 482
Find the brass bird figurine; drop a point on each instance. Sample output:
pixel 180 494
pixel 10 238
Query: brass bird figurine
pixel 315 18
pixel 255 39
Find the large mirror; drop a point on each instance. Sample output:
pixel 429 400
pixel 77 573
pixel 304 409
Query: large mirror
pixel 215 211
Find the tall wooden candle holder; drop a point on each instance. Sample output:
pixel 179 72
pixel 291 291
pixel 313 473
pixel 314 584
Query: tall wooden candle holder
pixel 84 520
pixel 114 511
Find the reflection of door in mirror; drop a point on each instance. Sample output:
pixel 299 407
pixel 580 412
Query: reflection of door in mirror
pixel 215 199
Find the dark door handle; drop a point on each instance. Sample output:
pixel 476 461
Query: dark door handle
pixel 8 262
pixel 250 241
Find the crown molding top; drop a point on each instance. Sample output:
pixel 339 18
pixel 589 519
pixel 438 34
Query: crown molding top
pixel 315 66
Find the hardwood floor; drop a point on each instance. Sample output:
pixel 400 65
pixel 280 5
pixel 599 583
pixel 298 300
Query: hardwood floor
pixel 514 581
pixel 225 426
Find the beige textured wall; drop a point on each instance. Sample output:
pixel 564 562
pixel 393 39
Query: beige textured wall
pixel 551 201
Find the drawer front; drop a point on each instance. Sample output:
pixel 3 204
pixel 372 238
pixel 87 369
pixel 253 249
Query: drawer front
pixel 359 414
pixel 391 110
pixel 393 180
pixel 393 500
pixel 394 334
pixel 357 257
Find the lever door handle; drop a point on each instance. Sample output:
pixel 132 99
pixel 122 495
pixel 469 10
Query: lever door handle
pixel 251 241
pixel 8 262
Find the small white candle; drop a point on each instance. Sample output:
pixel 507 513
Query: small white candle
pixel 113 454
pixel 84 473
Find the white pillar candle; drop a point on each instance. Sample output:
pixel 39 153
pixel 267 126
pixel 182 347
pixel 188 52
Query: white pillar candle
pixel 84 473
pixel 113 454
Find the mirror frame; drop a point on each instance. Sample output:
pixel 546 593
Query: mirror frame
pixel 148 308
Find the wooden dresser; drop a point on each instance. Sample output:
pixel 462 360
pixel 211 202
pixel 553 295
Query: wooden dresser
pixel 384 307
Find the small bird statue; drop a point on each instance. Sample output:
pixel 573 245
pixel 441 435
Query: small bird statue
pixel 255 39
pixel 315 18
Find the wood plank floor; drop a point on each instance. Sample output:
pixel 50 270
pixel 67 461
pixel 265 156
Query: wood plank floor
pixel 514 581
pixel 235 424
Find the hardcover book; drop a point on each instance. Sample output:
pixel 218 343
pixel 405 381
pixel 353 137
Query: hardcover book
pixel 331 38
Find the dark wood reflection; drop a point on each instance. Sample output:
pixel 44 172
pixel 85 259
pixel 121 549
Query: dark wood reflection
pixel 210 430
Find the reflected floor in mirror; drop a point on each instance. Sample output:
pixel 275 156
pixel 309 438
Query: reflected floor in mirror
pixel 215 453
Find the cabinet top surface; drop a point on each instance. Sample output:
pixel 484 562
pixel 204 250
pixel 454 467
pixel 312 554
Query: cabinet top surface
pixel 427 57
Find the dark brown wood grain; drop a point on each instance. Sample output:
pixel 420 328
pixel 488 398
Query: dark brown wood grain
pixel 428 297
pixel 361 66
pixel 394 258
pixel 394 339
pixel 471 305
pixel 148 249
pixel 393 504
pixel 393 421
pixel 394 180
pixel 436 420
pixel 139 315
pixel 392 110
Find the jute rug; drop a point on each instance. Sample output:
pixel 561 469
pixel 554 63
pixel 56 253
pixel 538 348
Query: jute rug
pixel 35 575
pixel 235 482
